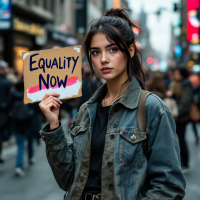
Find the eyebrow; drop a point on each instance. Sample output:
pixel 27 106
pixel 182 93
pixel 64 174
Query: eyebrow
pixel 113 44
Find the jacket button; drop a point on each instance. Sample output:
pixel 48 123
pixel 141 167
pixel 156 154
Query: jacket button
pixel 116 109
pixel 110 187
pixel 109 164
pixel 115 125
pixel 81 179
pixel 112 136
pixel 133 137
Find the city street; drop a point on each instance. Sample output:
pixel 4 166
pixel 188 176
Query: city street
pixel 38 182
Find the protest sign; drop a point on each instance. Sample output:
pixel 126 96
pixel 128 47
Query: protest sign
pixel 52 70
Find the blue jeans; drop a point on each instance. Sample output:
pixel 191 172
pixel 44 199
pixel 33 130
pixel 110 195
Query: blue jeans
pixel 20 143
pixel 194 126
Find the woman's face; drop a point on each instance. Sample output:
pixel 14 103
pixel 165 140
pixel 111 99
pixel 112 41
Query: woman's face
pixel 177 76
pixel 108 61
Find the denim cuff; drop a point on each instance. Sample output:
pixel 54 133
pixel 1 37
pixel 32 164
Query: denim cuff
pixel 55 139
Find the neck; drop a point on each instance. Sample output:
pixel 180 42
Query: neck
pixel 115 87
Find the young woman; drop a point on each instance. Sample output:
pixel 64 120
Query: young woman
pixel 100 159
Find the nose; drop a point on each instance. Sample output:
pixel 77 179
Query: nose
pixel 104 58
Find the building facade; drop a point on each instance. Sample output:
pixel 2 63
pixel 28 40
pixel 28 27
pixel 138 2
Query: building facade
pixel 36 25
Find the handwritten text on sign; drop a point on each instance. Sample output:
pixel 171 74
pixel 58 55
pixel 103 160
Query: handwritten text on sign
pixel 55 70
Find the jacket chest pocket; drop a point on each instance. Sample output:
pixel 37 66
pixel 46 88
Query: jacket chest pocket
pixel 131 149
pixel 79 134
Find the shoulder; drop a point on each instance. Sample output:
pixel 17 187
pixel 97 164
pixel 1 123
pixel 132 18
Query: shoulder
pixel 155 109
pixel 155 105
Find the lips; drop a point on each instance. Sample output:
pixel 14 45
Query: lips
pixel 106 69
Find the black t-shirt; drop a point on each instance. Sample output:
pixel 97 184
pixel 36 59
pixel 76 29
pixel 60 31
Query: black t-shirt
pixel 93 184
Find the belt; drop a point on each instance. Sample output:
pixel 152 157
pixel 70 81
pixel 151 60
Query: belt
pixel 89 196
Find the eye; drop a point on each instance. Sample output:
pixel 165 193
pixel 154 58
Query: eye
pixel 95 53
pixel 113 49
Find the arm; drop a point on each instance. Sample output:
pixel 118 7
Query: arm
pixel 164 169
pixel 59 151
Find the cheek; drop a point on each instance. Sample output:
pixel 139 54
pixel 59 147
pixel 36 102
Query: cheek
pixel 119 60
pixel 95 64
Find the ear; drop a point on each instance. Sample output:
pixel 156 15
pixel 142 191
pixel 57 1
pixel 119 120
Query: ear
pixel 132 50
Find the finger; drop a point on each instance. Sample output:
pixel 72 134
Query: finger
pixel 45 106
pixel 54 104
pixel 52 98
pixel 48 107
pixel 50 94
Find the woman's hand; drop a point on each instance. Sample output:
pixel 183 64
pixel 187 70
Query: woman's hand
pixel 50 107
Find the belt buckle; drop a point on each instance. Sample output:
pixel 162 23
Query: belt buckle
pixel 93 196
pixel 98 196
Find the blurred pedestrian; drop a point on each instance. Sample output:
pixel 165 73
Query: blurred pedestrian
pixel 35 124
pixel 11 76
pixel 167 78
pixel 156 85
pixel 103 157
pixel 194 79
pixel 5 87
pixel 182 92
pixel 22 116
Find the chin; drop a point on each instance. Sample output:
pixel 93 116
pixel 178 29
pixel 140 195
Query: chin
pixel 108 77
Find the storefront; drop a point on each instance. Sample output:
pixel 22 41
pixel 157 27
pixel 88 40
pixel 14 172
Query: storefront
pixel 56 39
pixel 25 38
pixel 5 25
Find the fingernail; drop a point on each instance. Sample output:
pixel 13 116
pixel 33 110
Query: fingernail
pixel 61 102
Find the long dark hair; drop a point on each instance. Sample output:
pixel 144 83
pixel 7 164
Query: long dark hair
pixel 117 27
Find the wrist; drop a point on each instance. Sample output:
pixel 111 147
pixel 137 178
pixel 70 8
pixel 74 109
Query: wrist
pixel 54 125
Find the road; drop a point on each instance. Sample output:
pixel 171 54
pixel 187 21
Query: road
pixel 38 182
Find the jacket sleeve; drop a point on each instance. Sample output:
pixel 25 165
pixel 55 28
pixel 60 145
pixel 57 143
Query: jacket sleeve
pixel 60 155
pixel 164 170
pixel 185 102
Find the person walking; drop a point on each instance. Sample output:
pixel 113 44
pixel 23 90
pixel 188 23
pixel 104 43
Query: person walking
pixel 103 157
pixel 182 92
pixel 5 87
pixel 194 79
pixel 22 116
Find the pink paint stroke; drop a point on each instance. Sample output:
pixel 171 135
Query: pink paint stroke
pixel 70 81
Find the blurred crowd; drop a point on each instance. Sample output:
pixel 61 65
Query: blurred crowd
pixel 24 121
pixel 178 88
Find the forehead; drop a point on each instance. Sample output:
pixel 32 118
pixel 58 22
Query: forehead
pixel 100 40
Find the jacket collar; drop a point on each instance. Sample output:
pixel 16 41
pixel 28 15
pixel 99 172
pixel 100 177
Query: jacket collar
pixel 130 97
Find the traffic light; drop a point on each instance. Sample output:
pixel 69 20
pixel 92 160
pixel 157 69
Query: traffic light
pixel 175 7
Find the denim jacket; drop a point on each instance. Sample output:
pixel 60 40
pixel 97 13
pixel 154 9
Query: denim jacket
pixel 126 172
